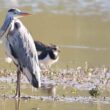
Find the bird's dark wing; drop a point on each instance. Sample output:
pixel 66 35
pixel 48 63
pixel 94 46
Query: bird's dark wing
pixel 40 46
pixel 42 55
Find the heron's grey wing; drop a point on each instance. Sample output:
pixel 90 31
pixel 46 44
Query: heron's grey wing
pixel 24 50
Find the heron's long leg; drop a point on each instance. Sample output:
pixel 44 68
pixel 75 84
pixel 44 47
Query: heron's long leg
pixel 17 94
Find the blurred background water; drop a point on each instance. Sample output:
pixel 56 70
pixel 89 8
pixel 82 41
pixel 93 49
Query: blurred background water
pixel 81 28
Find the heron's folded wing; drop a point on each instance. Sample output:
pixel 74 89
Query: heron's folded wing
pixel 24 50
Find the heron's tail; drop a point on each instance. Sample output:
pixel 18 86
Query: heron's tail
pixel 35 82
pixel 33 78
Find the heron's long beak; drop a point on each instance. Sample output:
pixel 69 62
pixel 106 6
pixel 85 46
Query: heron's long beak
pixel 24 14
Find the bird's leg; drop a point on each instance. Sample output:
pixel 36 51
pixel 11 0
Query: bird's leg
pixel 17 94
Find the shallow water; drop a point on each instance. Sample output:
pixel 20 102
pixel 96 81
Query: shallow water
pixel 48 105
pixel 36 100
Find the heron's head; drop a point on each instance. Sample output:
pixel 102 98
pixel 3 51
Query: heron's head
pixel 16 13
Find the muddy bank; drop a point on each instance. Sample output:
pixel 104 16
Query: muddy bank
pixel 81 78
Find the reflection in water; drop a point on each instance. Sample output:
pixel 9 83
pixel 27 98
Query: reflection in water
pixel 98 105
pixel 50 89
pixel 17 104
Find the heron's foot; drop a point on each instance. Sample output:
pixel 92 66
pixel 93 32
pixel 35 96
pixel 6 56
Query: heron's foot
pixel 17 96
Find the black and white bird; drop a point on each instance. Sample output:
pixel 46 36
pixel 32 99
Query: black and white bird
pixel 20 48
pixel 47 54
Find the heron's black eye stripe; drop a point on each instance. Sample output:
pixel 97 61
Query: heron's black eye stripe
pixel 12 10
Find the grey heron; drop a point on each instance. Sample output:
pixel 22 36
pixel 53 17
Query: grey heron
pixel 47 54
pixel 20 47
